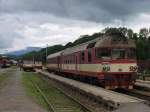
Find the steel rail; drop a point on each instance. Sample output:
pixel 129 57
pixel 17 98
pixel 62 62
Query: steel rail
pixel 50 107
pixel 69 96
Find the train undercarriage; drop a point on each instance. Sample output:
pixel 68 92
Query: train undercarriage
pixel 111 81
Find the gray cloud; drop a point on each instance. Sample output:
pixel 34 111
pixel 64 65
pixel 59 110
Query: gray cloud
pixel 37 22
pixel 38 29
pixel 90 10
pixel 8 31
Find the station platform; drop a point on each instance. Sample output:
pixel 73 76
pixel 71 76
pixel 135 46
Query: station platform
pixel 122 102
pixel 141 83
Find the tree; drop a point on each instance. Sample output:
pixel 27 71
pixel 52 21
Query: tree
pixel 69 44
pixel 142 40
pixel 85 38
pixel 144 33
pixel 130 33
pixel 135 36
pixel 125 31
pixel 141 55
pixel 110 30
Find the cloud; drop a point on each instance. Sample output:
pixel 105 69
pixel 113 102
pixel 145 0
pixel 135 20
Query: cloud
pixel 56 30
pixel 90 10
pixel 8 31
pixel 29 29
pixel 40 22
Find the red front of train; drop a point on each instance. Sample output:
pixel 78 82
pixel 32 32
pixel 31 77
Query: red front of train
pixel 109 60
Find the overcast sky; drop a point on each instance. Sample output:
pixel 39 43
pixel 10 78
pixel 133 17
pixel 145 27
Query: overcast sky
pixel 39 22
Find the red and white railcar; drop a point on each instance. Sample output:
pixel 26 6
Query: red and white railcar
pixel 110 59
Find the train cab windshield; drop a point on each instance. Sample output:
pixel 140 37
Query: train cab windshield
pixel 118 53
pixel 115 53
pixel 123 53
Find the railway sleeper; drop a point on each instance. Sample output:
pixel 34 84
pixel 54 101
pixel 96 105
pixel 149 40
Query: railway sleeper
pixel 109 105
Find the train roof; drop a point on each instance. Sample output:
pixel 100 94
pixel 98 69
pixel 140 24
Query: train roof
pixel 116 41
pixel 54 55
pixel 80 47
pixel 107 40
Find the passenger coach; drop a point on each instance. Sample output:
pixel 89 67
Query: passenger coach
pixel 109 60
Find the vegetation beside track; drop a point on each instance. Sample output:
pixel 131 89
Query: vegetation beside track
pixel 5 75
pixel 58 101
pixel 31 90
pixel 14 67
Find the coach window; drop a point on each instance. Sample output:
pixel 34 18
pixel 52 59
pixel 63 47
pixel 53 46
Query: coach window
pixel 89 56
pixel 103 53
pixel 82 57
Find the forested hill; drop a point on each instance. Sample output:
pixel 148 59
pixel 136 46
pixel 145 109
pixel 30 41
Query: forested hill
pixel 41 55
pixel 142 40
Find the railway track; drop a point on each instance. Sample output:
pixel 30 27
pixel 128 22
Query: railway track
pixel 83 100
pixel 139 87
pixel 59 101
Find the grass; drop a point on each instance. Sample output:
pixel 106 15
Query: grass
pixel 54 96
pixel 30 89
pixel 5 75
pixel 14 67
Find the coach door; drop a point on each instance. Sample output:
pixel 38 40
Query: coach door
pixel 76 62
pixel 89 56
pixel 58 63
